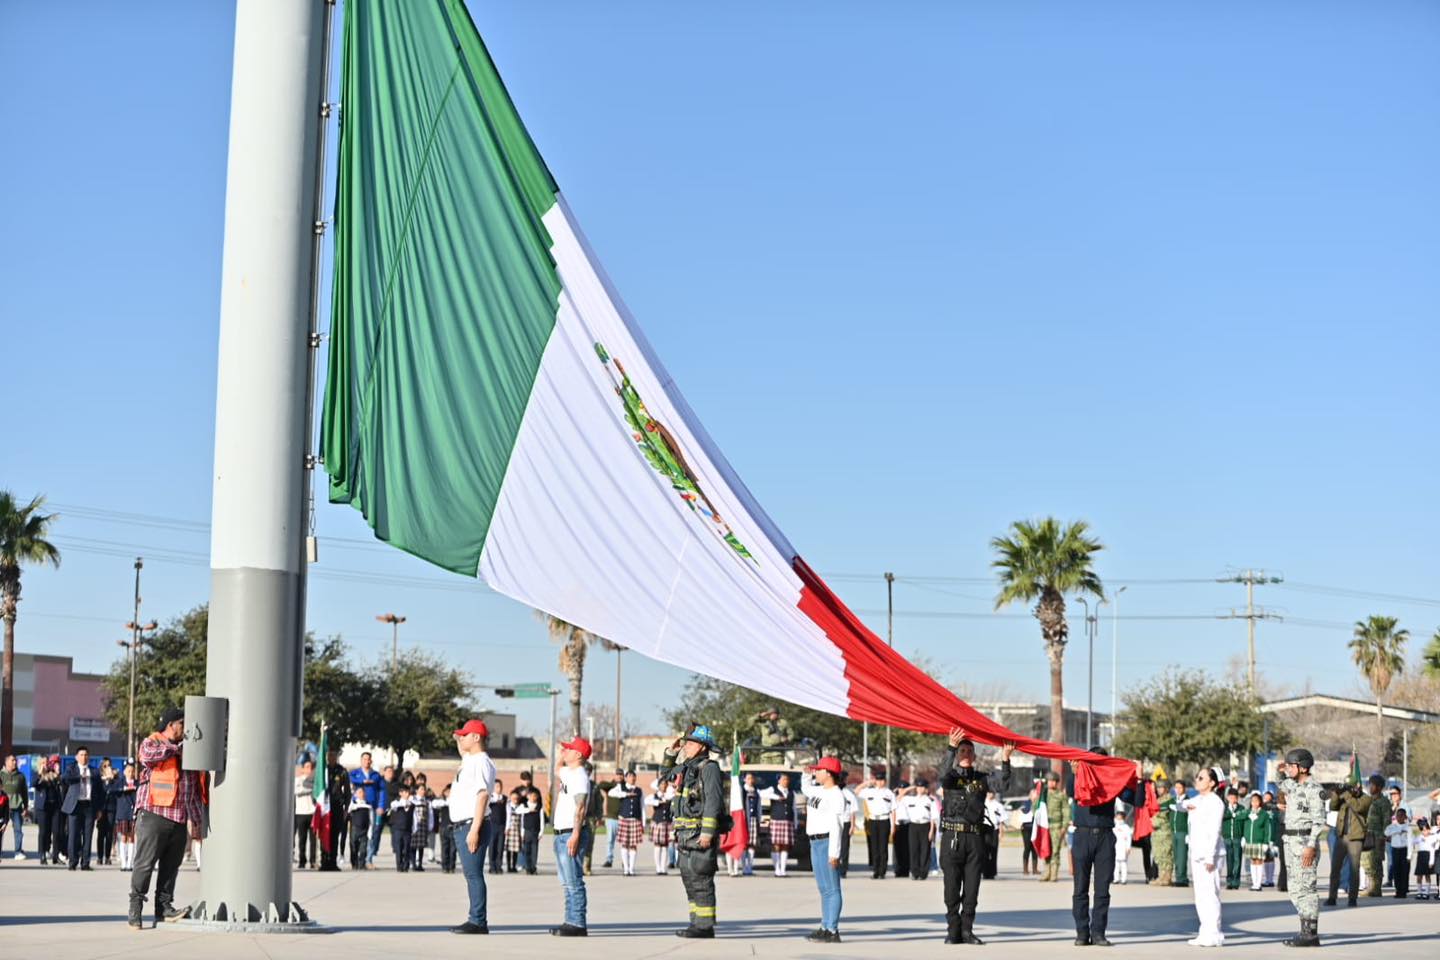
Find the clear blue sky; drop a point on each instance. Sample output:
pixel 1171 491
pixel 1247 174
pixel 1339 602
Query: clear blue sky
pixel 1171 269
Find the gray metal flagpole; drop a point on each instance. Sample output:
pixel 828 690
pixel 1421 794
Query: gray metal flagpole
pixel 257 555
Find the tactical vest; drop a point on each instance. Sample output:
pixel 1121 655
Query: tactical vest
pixel 964 800
pixel 690 801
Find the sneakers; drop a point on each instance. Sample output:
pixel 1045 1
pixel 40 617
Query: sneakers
pixel 569 930
pixel 20 855
pixel 170 914
pixel 470 928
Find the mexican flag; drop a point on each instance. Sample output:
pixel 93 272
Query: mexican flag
pixel 492 406
pixel 1354 775
pixel 737 839
pixel 1041 838
pixel 320 822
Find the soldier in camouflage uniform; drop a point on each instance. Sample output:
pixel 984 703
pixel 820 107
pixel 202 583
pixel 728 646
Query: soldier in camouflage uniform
pixel 1162 841
pixel 698 811
pixel 1377 818
pixel 1304 826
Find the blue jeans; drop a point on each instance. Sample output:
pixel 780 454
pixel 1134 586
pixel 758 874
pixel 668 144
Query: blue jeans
pixel 473 866
pixel 572 876
pixel 612 827
pixel 376 828
pixel 17 826
pixel 827 878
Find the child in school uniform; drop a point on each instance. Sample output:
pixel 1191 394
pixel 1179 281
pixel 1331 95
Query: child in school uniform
pixel 419 826
pixel 400 826
pixel 514 830
pixel 1399 837
pixel 1427 842
pixel 1124 836
pixel 359 815
pixel 441 807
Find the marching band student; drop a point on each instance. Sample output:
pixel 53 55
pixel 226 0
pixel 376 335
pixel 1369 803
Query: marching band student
pixel 826 821
pixel 662 824
pixel 1207 856
pixel 782 821
pixel 631 830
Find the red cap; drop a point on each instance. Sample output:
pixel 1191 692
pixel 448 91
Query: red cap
pixel 473 726
pixel 832 764
pixel 580 745
pixel 54 758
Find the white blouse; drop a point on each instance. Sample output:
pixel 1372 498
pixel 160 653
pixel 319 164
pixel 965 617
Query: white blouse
pixel 825 812
pixel 1206 813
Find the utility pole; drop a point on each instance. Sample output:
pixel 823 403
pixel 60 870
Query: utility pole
pixel 1114 659
pixel 394 622
pixel 135 627
pixel 618 652
pixel 255 651
pixel 1090 700
pixel 890 639
pixel 1252 613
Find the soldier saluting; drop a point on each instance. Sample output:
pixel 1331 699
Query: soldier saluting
pixel 1304 826
pixel 698 809
pixel 962 844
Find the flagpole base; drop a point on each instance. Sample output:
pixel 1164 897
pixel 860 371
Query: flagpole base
pixel 248 918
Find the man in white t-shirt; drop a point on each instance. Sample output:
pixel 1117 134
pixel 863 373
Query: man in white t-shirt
pixel 469 798
pixel 879 801
pixel 571 799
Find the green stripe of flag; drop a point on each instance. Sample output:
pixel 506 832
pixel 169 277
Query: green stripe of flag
pixel 445 292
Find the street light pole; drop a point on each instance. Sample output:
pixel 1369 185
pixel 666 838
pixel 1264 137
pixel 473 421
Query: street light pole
pixel 394 622
pixel 134 642
pixel 1114 658
pixel 890 639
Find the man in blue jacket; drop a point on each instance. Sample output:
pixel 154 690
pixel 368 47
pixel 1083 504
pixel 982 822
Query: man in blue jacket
pixel 369 778
pixel 83 795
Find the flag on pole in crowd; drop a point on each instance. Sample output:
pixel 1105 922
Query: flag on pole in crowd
pixel 1041 838
pixel 737 839
pixel 492 406
pixel 1354 776
pixel 320 822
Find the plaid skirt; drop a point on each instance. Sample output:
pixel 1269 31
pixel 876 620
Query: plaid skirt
pixel 512 835
pixel 752 824
pixel 1256 851
pixel 782 834
pixel 419 839
pixel 630 833
pixel 662 833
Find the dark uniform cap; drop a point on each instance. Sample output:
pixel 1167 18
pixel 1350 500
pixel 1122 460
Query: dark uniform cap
pixel 1301 758
pixel 170 716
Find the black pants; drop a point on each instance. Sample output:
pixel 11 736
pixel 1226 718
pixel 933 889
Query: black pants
pixel 530 848
pixel 1282 884
pixel 845 851
pixel 305 835
pixel 992 854
pixel 80 824
pixel 1030 859
pixel 919 850
pixel 104 836
pixel 1094 853
pixel 962 857
pixel 902 849
pixel 697 872
pixel 49 822
pixel 330 859
pixel 359 848
pixel 1400 871
pixel 448 853
pixel 400 841
pixel 1345 849
pixel 1144 846
pixel 877 840
pixel 158 842
pixel 497 847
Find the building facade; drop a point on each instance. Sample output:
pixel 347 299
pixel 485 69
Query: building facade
pixel 58 710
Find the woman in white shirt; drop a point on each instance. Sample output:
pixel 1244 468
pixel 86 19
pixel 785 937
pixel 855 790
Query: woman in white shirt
pixel 825 822
pixel 1207 856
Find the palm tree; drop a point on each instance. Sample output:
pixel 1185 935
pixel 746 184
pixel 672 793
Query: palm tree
pixel 22 540
pixel 574 644
pixel 1379 651
pixel 1042 560
pixel 1430 659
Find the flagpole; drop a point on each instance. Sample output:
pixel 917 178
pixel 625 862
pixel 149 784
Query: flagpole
pixel 258 547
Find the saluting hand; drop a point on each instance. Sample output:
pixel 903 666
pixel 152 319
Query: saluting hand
pixel 1006 749
pixel 956 735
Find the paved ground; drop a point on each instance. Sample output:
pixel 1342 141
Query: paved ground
pixel 55 914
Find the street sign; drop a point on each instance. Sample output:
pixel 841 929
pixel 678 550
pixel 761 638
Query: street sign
pixel 522 693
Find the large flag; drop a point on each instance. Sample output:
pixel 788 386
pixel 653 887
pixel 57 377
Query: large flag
pixel 1041 839
pixel 737 838
pixel 1354 778
pixel 492 406
pixel 320 822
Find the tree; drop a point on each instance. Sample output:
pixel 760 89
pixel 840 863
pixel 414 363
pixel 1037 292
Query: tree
pixel 171 666
pixel 1430 659
pixel 731 710
pixel 1378 649
pixel 414 705
pixel 1183 717
pixel 1043 561
pixel 23 533
pixel 574 644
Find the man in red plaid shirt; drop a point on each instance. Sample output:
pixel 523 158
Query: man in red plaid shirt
pixel 168 799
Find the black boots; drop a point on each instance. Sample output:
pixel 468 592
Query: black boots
pixel 1309 934
pixel 136 909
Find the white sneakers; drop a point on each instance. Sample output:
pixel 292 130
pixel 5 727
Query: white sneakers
pixel 20 855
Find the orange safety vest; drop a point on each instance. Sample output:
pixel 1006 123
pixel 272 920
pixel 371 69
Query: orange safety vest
pixel 164 780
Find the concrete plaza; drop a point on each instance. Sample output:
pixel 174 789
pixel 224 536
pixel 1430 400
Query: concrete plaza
pixel 56 914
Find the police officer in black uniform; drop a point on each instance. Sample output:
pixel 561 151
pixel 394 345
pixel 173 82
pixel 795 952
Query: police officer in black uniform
pixel 1093 851
pixel 698 810
pixel 962 843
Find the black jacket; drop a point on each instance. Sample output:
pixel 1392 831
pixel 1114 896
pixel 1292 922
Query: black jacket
pixel 965 789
